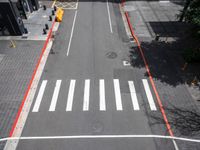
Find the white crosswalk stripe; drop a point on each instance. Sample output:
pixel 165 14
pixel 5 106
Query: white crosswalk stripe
pixel 39 97
pixel 117 95
pixel 149 95
pixel 55 96
pixel 133 95
pixel 70 95
pixel 102 105
pixel 86 95
pixel 102 99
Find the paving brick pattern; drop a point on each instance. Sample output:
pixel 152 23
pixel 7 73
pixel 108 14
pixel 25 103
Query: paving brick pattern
pixel 16 68
pixel 151 18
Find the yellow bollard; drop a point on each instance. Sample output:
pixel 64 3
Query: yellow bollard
pixel 59 15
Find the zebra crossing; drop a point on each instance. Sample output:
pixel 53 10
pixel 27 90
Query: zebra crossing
pixel 87 92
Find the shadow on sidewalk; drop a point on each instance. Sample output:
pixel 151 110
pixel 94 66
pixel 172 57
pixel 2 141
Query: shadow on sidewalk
pixel 185 122
pixel 165 57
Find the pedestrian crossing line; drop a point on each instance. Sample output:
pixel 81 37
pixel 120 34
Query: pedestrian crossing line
pixel 149 95
pixel 70 95
pixel 39 97
pixel 55 96
pixel 133 95
pixel 102 106
pixel 86 95
pixel 117 95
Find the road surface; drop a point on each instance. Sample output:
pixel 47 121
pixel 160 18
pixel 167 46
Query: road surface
pixel 89 97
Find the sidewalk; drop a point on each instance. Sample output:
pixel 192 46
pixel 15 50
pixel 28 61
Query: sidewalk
pixel 180 99
pixel 17 64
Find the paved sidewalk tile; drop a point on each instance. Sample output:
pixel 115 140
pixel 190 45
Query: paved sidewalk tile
pixel 16 68
pixel 152 18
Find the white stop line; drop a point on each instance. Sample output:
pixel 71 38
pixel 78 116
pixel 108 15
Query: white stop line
pixel 99 137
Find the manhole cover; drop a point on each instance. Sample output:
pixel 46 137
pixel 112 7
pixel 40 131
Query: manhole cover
pixel 111 55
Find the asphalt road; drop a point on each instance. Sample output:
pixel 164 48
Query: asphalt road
pixel 86 90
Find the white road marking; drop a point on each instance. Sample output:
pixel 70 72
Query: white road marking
pixel 100 136
pixel 86 95
pixel 133 95
pixel 55 96
pixel 72 31
pixel 68 5
pixel 109 18
pixel 164 1
pixel 175 144
pixel 117 95
pixel 102 95
pixel 77 4
pixel 126 63
pixel 102 100
pixel 54 2
pixel 39 97
pixel 70 95
pixel 149 95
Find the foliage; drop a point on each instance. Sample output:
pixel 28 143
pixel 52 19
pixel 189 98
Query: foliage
pixel 192 55
pixel 191 14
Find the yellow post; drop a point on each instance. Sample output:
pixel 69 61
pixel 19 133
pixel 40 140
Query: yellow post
pixel 59 15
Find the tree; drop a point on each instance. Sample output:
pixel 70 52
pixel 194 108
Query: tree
pixel 191 14
pixel 183 12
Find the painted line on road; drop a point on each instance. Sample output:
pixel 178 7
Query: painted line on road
pixel 175 144
pixel 133 95
pixel 55 96
pixel 72 31
pixel 40 96
pixel 149 95
pixel 54 2
pixel 117 95
pixel 109 18
pixel 99 137
pixel 86 95
pixel 70 95
pixel 102 105
pixel 164 1
pixel 77 4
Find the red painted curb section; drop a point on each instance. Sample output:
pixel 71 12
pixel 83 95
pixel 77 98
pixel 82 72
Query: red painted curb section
pixel 31 81
pixel 149 73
